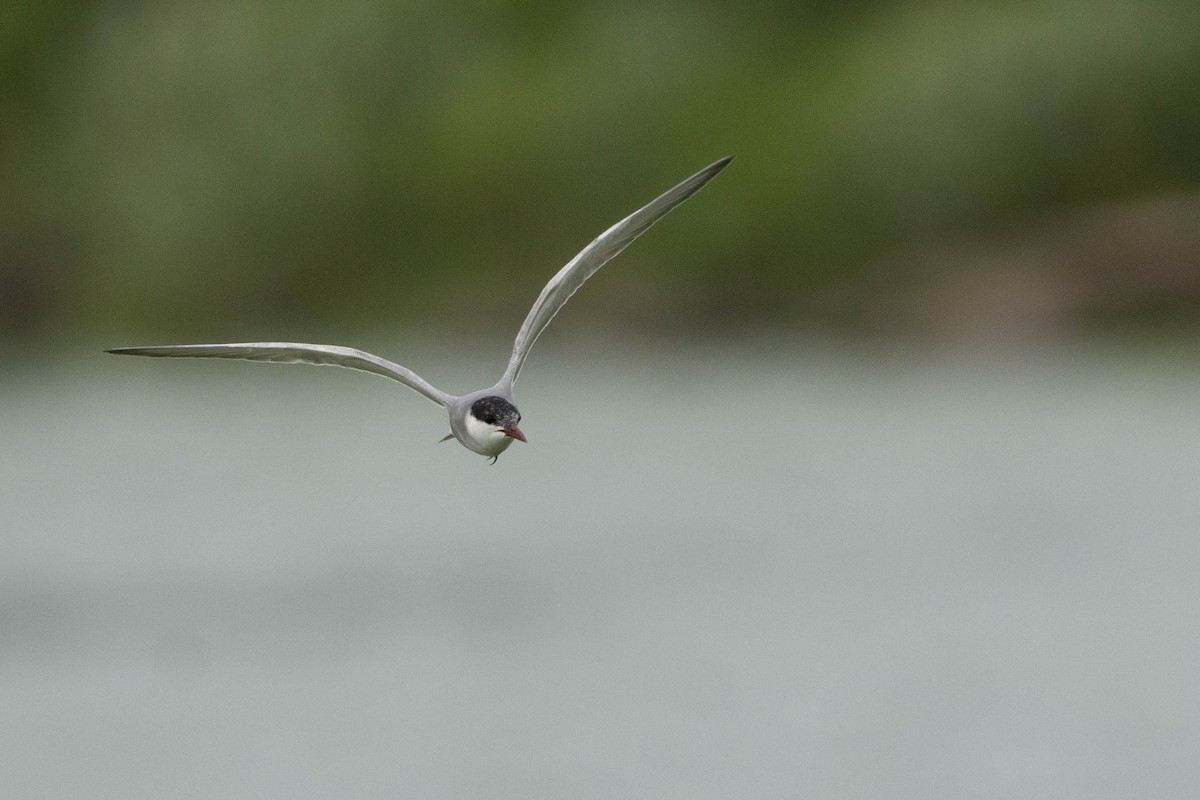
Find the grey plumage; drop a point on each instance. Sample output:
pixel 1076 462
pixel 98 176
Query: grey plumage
pixel 477 434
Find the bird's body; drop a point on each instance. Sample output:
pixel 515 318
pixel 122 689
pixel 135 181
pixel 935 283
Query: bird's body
pixel 484 421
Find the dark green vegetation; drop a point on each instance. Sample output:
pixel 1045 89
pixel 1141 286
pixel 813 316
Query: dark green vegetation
pixel 231 170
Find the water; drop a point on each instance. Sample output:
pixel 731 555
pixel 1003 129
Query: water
pixel 755 571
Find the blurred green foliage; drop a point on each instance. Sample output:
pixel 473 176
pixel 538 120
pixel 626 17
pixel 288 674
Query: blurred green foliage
pixel 231 169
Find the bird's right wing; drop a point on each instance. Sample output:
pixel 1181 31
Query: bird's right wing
pixel 593 257
pixel 296 353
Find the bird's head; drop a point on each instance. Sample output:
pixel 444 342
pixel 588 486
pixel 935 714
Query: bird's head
pixel 492 422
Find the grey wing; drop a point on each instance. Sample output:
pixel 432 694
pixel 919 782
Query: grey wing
pixel 594 256
pixel 296 353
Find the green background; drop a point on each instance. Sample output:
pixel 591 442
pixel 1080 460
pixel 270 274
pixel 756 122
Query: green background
pixel 238 170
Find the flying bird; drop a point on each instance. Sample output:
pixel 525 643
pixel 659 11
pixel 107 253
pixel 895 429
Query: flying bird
pixel 485 421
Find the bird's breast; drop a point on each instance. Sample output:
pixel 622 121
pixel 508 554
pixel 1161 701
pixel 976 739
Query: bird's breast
pixel 484 439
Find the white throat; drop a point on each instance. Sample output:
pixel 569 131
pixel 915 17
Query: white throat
pixel 486 439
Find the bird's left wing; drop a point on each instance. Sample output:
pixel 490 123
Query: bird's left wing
pixel 296 353
pixel 594 256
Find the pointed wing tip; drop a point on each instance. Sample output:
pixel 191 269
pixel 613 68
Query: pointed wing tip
pixel 719 164
pixel 133 351
pixel 166 349
pixel 712 170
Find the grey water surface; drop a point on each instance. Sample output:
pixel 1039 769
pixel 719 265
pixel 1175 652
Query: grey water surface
pixel 732 572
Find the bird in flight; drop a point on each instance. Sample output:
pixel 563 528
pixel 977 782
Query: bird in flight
pixel 485 421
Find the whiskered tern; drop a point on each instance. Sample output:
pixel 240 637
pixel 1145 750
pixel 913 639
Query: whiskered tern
pixel 485 421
